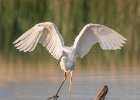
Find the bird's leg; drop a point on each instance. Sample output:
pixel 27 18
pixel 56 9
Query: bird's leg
pixel 70 82
pixel 56 95
pixel 59 60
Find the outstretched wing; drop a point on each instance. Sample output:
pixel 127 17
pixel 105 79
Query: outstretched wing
pixel 45 33
pixel 96 33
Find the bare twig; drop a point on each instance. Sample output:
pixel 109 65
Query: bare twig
pixel 102 93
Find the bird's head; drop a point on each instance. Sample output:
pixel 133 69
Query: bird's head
pixel 69 52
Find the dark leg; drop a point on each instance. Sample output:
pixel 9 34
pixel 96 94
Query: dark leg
pixel 56 95
pixel 59 60
pixel 70 82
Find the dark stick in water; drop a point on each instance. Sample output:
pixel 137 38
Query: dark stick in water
pixel 102 93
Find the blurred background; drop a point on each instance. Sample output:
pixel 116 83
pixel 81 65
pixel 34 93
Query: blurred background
pixel 70 16
pixel 17 16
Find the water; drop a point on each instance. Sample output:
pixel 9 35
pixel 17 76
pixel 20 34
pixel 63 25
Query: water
pixel 39 81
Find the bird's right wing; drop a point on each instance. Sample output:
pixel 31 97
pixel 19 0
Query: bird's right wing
pixel 45 33
pixel 96 33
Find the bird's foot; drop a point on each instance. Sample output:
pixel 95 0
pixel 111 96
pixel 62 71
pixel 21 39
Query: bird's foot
pixel 53 97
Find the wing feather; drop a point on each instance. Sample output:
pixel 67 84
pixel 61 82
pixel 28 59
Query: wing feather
pixel 96 33
pixel 45 33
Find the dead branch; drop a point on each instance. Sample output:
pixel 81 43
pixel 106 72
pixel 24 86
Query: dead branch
pixel 102 93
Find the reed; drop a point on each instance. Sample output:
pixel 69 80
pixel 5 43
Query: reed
pixel 17 16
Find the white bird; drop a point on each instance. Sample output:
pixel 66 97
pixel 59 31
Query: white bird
pixel 49 36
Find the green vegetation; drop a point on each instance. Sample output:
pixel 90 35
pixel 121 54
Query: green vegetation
pixel 17 16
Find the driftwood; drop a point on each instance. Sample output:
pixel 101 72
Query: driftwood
pixel 102 93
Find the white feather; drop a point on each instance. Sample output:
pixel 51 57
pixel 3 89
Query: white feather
pixel 96 33
pixel 45 33
pixel 48 35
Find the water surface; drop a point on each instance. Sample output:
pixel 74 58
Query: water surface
pixel 39 81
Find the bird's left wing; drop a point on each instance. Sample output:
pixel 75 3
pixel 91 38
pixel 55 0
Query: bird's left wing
pixel 96 33
pixel 45 33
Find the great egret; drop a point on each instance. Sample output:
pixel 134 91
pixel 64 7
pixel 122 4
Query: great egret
pixel 49 36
